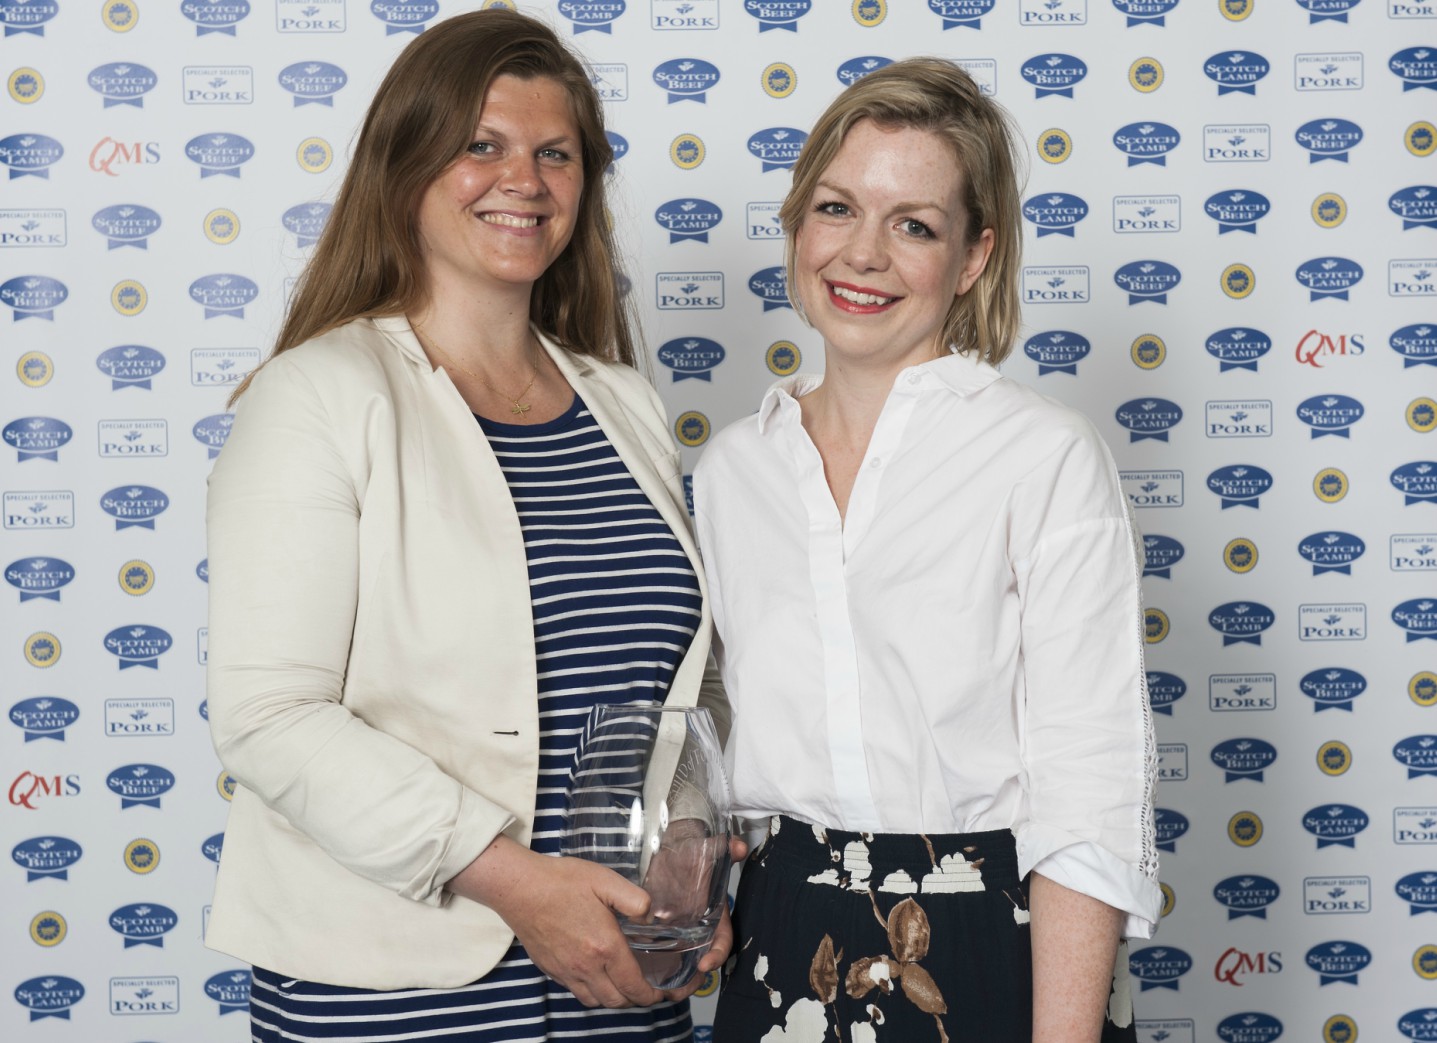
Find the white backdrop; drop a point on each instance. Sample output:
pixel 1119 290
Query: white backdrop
pixel 1229 259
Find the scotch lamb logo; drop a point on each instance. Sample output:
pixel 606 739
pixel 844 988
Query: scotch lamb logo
pixel 30 155
pixel 690 219
pixel 1416 67
pixel 49 997
pixel 1057 213
pixel 777 14
pixel 215 16
pixel 1335 825
pixel 1163 690
pixel 1416 205
pixel 1241 622
pixel 1417 482
pixel 1236 72
pixel 1418 617
pixel 1145 12
pixel 1238 347
pixel 306 222
pixel 1246 895
pixel 1148 418
pixel 853 70
pixel 776 148
pixel 122 83
pixel 1057 351
pixel 1331 551
pixel 1418 754
pixel 1419 1025
pixel 44 718
pixel 1146 142
pixel 1159 967
pixel 37 437
pixel 142 924
pixel 411 16
pixel 1329 277
pixel 223 294
pixel 1327 10
pixel 964 14
pixel 138 645
pixel 1054 75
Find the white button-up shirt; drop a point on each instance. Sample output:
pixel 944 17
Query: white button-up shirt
pixel 962 652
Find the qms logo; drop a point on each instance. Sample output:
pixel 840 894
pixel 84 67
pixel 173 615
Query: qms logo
pixel 1234 965
pixel 28 789
pixel 1315 346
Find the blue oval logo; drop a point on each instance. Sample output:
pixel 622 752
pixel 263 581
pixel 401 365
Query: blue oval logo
pixel 1330 414
pixel 50 996
pixel 1056 213
pixel 27 16
pixel 1329 277
pixel 1332 688
pixel 1419 890
pixel 140 784
pixel 215 16
pixel 1331 551
pixel 305 221
pixel 1237 210
pixel 37 437
pixel 130 365
pixel 1416 205
pixel 230 989
pixel 202 570
pixel 1057 351
pixel 30 155
pixel 853 70
pixel 1415 66
pixel 1338 961
pixel 771 286
pixel 138 645
pixel 1159 966
pixel 618 146
pixel 686 79
pixel 126 224
pixel 47 856
pixel 1160 554
pixel 1171 827
pixel 587 16
pixel 1420 1024
pixel 1249 1027
pixel 212 847
pixel 219 154
pixel 691 357
pixel 1248 895
pixel 122 83
pixel 1329 138
pixel 1238 347
pixel 1148 418
pixel 143 923
pixel 1144 12
pixel 33 296
pixel 1148 142
pixel 134 506
pixel 1418 617
pixel 223 294
pixel 1147 280
pixel 777 14
pixel 1417 344
pixel 1240 622
pixel 1336 825
pixel 45 717
pixel 1417 481
pixel 39 577
pixel 213 431
pixel 313 83
pixel 1164 689
pixel 1054 74
pixel 688 219
pixel 777 148
pixel 1245 758
pixel 1327 10
pixel 1236 72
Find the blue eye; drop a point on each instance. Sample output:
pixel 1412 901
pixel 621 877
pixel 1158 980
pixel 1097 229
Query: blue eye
pixel 917 229
pixel 832 209
pixel 481 148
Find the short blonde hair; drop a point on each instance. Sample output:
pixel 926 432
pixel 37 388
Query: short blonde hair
pixel 935 95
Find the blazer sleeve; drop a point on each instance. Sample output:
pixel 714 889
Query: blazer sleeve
pixel 283 526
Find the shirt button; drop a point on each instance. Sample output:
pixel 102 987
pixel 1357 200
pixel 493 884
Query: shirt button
pixel 915 378
pixel 875 462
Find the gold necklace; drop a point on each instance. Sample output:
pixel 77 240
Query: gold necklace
pixel 516 405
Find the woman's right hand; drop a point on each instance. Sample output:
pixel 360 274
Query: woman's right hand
pixel 562 910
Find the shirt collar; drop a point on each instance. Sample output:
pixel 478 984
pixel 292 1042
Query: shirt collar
pixel 963 375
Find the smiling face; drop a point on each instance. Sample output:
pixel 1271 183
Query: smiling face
pixel 884 247
pixel 499 215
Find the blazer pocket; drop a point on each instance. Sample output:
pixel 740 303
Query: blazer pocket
pixel 667 465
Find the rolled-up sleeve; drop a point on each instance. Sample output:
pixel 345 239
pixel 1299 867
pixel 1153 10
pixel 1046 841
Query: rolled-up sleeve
pixel 1085 726
pixel 283 526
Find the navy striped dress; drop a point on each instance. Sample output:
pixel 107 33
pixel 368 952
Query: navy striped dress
pixel 616 604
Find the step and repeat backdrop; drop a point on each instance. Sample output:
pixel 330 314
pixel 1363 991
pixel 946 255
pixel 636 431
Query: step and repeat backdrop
pixel 1232 240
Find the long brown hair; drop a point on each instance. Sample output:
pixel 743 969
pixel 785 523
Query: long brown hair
pixel 368 261
pixel 937 96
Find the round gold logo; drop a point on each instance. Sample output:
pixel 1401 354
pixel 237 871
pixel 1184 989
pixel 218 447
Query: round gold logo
pixel 1054 145
pixel 1145 75
pixel 869 13
pixel 1421 138
pixel 48 929
pixel 225 784
pixel 1422 415
pixel 1170 899
pixel 779 80
pixel 34 369
pixel 142 855
pixel 503 5
pixel 1245 828
pixel 314 155
pixel 222 226
pixel 26 85
pixel 1424 962
pixel 1149 351
pixel 1339 1029
pixel 1238 281
pixel 710 985
pixel 692 428
pixel 1333 757
pixel 687 151
pixel 1422 689
pixel 1155 625
pixel 119 16
pixel 1329 210
pixel 136 577
pixel 42 649
pixel 1240 555
pixel 1330 485
pixel 1235 10
pixel 783 358
pixel 129 297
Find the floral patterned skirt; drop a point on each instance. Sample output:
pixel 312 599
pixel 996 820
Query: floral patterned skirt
pixel 885 938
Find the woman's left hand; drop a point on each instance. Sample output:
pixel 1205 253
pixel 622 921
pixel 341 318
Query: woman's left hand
pixel 722 944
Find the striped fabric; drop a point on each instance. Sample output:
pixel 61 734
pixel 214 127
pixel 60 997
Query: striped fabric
pixel 615 605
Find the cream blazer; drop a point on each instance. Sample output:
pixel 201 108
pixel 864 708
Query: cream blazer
pixel 371 677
